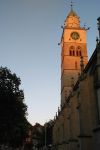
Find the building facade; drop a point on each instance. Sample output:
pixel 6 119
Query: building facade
pixel 77 122
pixel 73 45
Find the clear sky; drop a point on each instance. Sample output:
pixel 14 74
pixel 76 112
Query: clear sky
pixel 30 31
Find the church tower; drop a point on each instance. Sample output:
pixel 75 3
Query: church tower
pixel 73 46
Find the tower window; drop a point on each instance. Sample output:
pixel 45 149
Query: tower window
pixel 78 51
pixel 72 47
pixel 78 47
pixel 72 51
pixel 75 64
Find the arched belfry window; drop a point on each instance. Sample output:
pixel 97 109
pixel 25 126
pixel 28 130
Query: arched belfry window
pixel 80 54
pixel 72 51
pixel 78 51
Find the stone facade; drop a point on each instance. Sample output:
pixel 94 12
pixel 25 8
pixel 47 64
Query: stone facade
pixel 77 122
pixel 73 45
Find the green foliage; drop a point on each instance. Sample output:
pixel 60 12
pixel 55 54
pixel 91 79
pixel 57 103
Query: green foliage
pixel 13 122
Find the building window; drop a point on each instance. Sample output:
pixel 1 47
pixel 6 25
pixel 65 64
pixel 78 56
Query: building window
pixel 75 64
pixel 72 47
pixel 72 51
pixel 78 48
pixel 78 51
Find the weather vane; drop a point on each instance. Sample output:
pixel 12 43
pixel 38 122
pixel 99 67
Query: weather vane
pixel 72 4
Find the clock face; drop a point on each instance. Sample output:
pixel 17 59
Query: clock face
pixel 75 35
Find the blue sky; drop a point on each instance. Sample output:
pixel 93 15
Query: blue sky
pixel 30 31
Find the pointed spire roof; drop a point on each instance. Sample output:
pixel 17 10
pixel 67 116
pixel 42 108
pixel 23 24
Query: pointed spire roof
pixel 72 13
pixel 72 19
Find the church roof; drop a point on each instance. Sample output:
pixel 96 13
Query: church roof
pixel 72 13
pixel 72 20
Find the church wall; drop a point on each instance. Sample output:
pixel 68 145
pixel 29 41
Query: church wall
pixel 77 123
pixel 79 117
pixel 96 131
pixel 85 113
pixel 74 124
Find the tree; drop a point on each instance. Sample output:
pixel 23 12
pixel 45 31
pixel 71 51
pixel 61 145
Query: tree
pixel 13 110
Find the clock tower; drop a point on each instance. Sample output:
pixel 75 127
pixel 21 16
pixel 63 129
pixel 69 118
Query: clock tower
pixel 74 46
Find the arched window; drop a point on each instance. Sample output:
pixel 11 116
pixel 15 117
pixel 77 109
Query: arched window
pixel 78 48
pixel 72 47
pixel 72 51
pixel 80 54
pixel 78 51
pixel 75 64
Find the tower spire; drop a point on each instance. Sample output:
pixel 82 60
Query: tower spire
pixel 72 19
